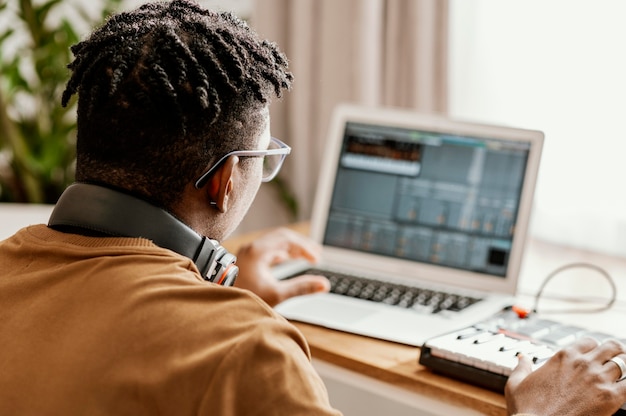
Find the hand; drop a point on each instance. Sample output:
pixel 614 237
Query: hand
pixel 577 381
pixel 256 259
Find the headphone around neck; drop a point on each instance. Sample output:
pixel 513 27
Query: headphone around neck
pixel 94 208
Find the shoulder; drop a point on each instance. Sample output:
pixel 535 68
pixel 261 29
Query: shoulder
pixel 201 313
pixel 270 364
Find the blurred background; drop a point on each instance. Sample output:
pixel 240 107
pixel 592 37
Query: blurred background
pixel 554 66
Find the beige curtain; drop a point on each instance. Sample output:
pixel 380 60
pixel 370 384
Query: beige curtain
pixel 374 52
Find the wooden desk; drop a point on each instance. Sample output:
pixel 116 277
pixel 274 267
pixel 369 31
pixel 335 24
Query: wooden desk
pixel 397 364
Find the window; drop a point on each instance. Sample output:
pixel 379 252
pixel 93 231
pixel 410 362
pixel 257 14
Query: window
pixel 559 67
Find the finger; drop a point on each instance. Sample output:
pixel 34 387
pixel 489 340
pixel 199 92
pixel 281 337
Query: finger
pixel 584 345
pixel 303 247
pixel 279 257
pixel 282 239
pixel 290 253
pixel 303 285
pixel 617 367
pixel 520 372
pixel 286 243
pixel 607 350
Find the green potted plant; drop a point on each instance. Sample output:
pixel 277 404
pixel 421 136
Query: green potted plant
pixel 37 134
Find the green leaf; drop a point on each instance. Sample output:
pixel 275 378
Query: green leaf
pixel 6 34
pixel 71 37
pixel 41 12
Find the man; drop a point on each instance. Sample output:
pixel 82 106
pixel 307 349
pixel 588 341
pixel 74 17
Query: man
pixel 107 309
pixel 173 118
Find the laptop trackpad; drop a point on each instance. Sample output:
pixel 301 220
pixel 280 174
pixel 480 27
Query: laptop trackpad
pixel 324 309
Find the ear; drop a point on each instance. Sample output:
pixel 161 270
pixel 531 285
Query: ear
pixel 221 184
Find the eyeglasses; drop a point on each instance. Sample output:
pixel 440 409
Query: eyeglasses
pixel 273 159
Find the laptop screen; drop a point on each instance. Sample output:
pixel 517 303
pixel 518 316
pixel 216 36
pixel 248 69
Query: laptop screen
pixel 429 196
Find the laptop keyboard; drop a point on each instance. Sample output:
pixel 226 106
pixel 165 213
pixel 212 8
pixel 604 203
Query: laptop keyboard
pixel 409 297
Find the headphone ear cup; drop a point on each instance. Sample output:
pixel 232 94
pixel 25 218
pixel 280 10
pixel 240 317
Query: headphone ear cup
pixel 219 266
pixel 225 271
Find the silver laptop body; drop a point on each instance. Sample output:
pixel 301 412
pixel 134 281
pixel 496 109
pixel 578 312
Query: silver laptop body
pixel 418 204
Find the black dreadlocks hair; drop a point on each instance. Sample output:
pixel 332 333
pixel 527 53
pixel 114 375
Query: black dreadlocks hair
pixel 165 90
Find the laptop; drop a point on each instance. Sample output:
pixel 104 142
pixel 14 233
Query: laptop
pixel 422 220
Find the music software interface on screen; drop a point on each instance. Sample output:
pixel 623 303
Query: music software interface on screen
pixel 427 196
